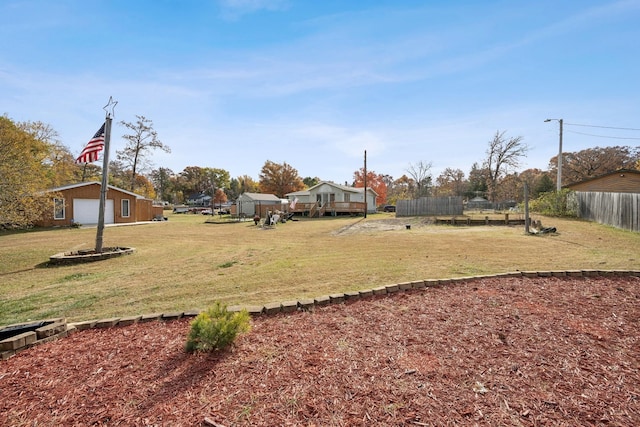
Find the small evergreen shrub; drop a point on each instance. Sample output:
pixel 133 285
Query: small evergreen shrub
pixel 216 328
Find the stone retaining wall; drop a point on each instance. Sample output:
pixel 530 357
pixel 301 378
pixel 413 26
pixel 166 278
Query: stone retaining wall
pixel 59 328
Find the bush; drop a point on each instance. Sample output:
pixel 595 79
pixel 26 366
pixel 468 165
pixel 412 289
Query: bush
pixel 216 328
pixel 562 204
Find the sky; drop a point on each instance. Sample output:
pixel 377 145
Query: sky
pixel 231 84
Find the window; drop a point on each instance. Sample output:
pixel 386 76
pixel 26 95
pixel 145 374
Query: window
pixel 347 197
pixel 58 208
pixel 125 208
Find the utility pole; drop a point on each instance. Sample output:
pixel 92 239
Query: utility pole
pixel 365 183
pixel 559 178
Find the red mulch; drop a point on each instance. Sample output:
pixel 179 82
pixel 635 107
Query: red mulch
pixel 498 352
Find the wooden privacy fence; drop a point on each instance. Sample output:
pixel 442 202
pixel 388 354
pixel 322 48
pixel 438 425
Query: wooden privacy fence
pixel 430 206
pixel 620 210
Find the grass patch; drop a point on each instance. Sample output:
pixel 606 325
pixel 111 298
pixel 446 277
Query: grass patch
pixel 228 264
pixel 177 267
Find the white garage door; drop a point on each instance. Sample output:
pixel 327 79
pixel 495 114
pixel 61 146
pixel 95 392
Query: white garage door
pixel 85 211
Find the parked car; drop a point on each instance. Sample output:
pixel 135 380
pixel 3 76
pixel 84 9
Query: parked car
pixel 206 212
pixel 389 208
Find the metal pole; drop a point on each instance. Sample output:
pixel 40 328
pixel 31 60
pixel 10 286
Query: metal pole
pixel 105 183
pixel 526 208
pixel 559 183
pixel 365 183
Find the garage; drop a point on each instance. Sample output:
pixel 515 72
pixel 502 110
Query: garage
pixel 85 211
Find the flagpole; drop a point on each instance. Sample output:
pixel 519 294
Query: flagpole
pixel 105 175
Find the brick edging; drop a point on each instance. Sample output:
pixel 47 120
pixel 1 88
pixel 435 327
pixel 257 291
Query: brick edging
pixel 59 328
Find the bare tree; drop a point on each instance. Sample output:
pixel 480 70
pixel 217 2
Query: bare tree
pixel 143 139
pixel 502 155
pixel 421 175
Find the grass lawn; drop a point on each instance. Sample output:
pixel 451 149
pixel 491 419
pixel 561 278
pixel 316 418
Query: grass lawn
pixel 186 264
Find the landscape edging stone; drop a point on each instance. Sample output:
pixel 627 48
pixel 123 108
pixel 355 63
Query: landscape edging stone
pixel 59 328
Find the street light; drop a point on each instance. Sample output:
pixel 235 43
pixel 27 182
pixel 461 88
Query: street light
pixel 559 180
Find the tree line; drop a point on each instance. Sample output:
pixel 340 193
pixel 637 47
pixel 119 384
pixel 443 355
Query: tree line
pixel 33 159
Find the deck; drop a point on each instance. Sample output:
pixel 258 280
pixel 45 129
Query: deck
pixel 314 210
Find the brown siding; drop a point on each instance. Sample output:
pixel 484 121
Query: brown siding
pixel 146 211
pixel 92 191
pixel 622 182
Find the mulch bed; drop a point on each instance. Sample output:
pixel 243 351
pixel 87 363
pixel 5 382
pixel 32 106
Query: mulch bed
pixel 495 352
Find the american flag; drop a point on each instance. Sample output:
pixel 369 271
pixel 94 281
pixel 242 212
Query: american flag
pixel 93 148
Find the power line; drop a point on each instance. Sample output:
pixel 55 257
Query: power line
pixel 601 136
pixel 603 127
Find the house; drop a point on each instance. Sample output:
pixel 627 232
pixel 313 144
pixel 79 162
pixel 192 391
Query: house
pixel 620 181
pixel 328 198
pixel 612 198
pixel 250 204
pixel 199 199
pixel 80 204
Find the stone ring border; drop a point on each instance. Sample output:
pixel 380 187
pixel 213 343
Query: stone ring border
pixel 59 328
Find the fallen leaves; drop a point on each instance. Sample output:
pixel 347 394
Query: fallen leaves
pixel 508 351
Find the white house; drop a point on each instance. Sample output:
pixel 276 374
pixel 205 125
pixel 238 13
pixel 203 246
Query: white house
pixel 328 198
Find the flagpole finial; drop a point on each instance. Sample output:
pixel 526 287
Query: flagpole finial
pixel 111 105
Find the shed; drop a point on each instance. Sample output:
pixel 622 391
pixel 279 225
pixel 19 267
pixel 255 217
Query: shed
pixel 250 204
pixel 80 204
pixel 479 203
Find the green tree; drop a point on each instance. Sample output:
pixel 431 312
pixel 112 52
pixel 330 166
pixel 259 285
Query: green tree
pixel 543 184
pixel 242 184
pixel 163 183
pixel 478 178
pixel 192 179
pixel 215 180
pixel 22 176
pixel 279 179
pixel 140 143
pixel 310 182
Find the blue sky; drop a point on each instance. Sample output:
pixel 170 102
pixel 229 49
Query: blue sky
pixel 232 83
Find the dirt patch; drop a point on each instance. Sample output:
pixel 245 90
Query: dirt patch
pixel 389 224
pixel 499 351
